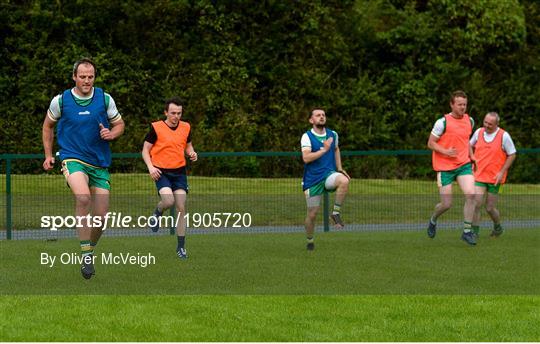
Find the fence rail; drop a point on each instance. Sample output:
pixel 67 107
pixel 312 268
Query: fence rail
pixel 17 185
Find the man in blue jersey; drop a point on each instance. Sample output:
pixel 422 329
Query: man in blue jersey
pixel 322 172
pixel 87 120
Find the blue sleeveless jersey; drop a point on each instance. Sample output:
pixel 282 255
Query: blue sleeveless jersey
pixel 78 130
pixel 316 171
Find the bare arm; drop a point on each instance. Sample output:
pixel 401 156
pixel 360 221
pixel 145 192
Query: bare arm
pixel 509 161
pixel 339 167
pixel 190 151
pixel 434 146
pixel 309 156
pixel 337 154
pixel 471 155
pixel 117 129
pixel 48 140
pixel 154 172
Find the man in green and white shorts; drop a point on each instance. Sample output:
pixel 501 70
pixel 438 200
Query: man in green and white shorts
pixel 97 177
pixel 494 152
pixel 445 178
pixel 449 141
pixel 322 172
pixel 86 120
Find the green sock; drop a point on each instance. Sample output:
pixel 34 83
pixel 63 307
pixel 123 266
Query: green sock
pixel 467 226
pixel 497 227
pixel 310 240
pixel 337 209
pixel 86 248
pixel 476 229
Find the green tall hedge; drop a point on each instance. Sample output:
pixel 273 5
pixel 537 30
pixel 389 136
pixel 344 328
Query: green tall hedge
pixel 249 71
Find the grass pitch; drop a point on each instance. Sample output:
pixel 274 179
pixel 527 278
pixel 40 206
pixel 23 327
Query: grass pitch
pixel 270 318
pixel 374 286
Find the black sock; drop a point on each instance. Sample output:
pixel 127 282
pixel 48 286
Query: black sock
pixel 181 242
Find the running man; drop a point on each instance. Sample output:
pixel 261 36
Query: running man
pixel 322 172
pixel 87 120
pixel 164 151
pixel 494 153
pixel 449 141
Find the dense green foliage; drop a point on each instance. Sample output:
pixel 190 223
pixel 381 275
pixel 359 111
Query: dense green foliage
pixel 249 71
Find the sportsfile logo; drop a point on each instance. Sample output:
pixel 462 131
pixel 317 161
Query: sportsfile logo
pixel 54 222
pixel 117 220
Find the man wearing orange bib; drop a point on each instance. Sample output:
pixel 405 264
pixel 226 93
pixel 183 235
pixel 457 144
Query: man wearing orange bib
pixel 164 152
pixel 449 141
pixel 494 153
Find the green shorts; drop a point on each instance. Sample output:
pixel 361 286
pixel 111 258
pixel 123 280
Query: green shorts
pixel 97 177
pixel 491 188
pixel 319 188
pixel 313 194
pixel 447 177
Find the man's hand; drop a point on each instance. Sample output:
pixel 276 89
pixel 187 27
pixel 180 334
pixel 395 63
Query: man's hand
pixel 328 143
pixel 155 173
pixel 193 156
pixel 48 164
pixel 105 133
pixel 498 178
pixel 451 152
pixel 345 174
pixel 473 162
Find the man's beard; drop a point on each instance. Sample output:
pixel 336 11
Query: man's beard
pixel 319 126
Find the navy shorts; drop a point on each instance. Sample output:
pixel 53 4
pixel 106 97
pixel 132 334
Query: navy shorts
pixel 173 180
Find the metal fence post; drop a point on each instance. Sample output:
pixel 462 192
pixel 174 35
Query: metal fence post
pixel 326 212
pixel 9 223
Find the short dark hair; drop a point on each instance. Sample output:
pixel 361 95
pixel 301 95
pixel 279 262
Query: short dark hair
pixel 84 60
pixel 313 109
pixel 457 94
pixel 173 100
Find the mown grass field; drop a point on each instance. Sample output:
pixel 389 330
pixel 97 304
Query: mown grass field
pixel 270 318
pixel 356 286
pixel 388 286
pixel 398 262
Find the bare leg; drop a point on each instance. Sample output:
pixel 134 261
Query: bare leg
pixel 78 182
pixel 100 207
pixel 466 183
pixel 167 199
pixel 342 184
pixel 491 207
pixel 180 202
pixel 310 221
pixel 479 195
pixel 446 202
pixel 479 192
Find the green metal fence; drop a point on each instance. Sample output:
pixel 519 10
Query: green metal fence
pixel 389 190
